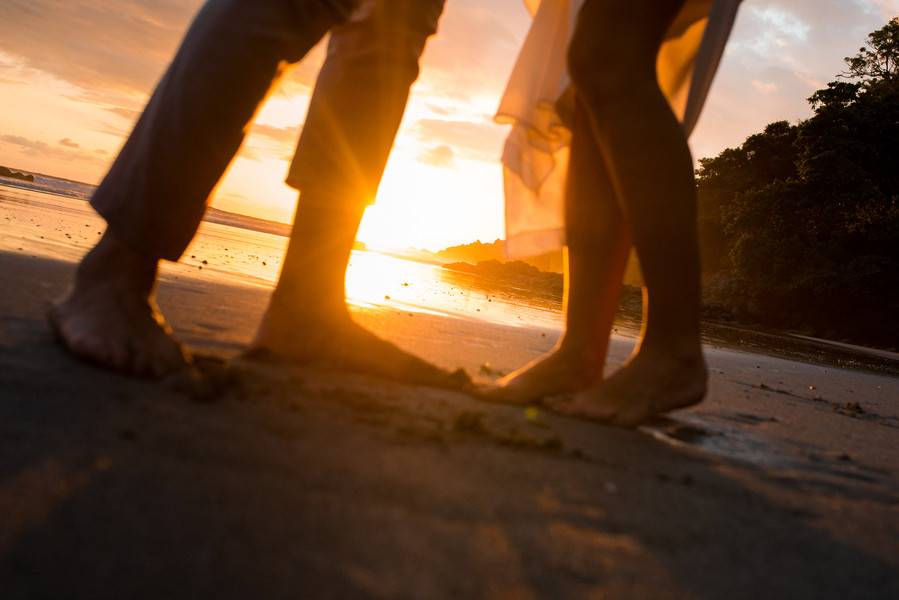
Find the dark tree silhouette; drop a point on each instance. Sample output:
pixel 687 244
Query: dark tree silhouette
pixel 878 59
pixel 800 224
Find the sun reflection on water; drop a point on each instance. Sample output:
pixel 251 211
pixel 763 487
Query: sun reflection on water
pixel 65 228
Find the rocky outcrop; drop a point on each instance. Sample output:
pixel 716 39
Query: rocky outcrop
pixel 5 172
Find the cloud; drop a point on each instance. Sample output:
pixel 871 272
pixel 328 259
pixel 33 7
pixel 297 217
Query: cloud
pixel 96 44
pixel 438 156
pixel 41 149
pixel 475 47
pixel 18 140
pixel 68 143
pixel 114 52
pixel 780 52
pixel 470 140
pixel 888 8
pixel 764 87
pixel 267 141
pixel 128 114
pixel 281 135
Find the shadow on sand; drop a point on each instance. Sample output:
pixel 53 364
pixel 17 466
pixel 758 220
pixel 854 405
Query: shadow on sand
pixel 300 482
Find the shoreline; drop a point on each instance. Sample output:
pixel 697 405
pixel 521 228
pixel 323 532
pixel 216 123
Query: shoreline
pixel 723 333
pixel 475 294
pixel 510 277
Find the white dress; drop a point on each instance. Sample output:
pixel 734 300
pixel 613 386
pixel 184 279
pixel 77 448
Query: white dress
pixel 535 158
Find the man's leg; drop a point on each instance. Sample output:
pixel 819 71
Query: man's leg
pixel 356 109
pixel 155 193
pixel 613 61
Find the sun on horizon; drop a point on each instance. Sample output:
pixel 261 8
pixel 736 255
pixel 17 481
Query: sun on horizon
pixel 74 78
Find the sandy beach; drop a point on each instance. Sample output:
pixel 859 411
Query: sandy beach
pixel 297 482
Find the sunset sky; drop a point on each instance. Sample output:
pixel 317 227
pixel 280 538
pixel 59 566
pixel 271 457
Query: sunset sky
pixel 74 75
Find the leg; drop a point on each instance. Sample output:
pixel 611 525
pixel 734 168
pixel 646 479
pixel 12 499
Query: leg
pixel 612 60
pixel 155 193
pixel 356 109
pixel 598 244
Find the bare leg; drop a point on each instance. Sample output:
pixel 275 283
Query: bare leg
pixel 613 57
pixel 355 112
pixel 598 242
pixel 110 316
pixel 307 320
pixel 155 193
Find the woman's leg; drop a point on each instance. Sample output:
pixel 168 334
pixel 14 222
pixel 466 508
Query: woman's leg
pixel 613 61
pixel 598 243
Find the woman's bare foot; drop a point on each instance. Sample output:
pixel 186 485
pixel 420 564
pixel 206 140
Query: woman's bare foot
pixel 563 371
pixel 649 385
pixel 296 335
pixel 110 317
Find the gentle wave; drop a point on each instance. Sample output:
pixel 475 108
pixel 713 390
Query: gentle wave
pixel 51 185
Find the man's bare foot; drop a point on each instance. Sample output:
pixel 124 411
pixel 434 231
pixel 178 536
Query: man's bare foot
pixel 298 336
pixel 563 371
pixel 110 317
pixel 649 385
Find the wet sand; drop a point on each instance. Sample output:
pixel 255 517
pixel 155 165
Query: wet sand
pixel 304 482
pixel 299 482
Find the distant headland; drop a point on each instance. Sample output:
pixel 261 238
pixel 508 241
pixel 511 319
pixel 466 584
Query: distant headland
pixel 6 172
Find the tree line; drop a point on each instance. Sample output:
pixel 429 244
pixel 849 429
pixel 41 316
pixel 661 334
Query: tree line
pixel 799 226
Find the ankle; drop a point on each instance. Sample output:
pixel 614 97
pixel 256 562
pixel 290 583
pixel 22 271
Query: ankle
pixel 113 263
pixel 307 309
pixel 686 351
pixel 581 356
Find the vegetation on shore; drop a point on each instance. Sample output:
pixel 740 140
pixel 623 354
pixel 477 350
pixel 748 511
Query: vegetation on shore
pixel 799 226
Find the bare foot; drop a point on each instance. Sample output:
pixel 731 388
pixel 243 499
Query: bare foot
pixel 295 335
pixel 561 372
pixel 647 386
pixel 110 318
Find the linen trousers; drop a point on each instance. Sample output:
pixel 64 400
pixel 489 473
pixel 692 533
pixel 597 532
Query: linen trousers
pixel 155 194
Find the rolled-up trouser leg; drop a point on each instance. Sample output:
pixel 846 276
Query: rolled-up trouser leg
pixel 155 194
pixel 360 97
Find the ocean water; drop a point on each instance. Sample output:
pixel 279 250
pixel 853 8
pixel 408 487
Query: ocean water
pixel 52 219
pixel 51 185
